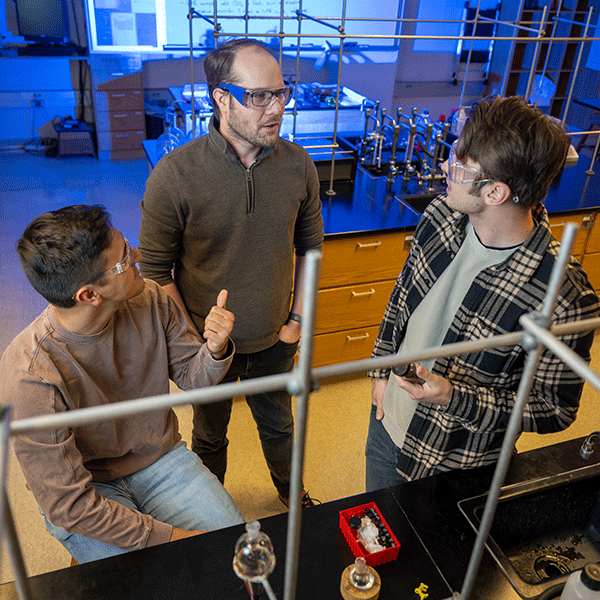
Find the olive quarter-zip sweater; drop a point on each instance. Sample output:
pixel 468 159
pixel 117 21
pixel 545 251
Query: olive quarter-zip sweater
pixel 211 224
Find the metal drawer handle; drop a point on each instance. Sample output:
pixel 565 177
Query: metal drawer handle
pixel 120 116
pixel 358 294
pixel 117 95
pixel 349 338
pixel 121 135
pixel 371 245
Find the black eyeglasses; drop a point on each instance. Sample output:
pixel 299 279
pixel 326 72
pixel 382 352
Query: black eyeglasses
pixel 257 98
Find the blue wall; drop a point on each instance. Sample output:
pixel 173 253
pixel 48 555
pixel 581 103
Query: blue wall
pixel 20 79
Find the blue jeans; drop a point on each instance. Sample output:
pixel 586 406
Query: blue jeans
pixel 177 489
pixel 382 457
pixel 272 413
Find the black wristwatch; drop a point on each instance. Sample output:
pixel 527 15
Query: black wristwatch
pixel 294 317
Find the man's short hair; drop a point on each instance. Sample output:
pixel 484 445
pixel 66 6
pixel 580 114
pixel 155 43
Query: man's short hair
pixel 218 64
pixel 514 143
pixel 60 251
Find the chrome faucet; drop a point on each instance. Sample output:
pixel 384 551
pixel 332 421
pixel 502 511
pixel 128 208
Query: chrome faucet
pixel 588 446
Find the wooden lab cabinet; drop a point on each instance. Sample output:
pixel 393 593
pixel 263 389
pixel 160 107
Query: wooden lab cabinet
pixel 119 109
pixel 591 257
pixel 587 243
pixel 585 222
pixel 357 277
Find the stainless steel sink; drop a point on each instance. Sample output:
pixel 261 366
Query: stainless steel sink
pixel 540 532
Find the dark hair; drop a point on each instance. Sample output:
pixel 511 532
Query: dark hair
pixel 514 143
pixel 218 64
pixel 60 251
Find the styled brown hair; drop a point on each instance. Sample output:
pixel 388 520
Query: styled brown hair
pixel 514 143
pixel 60 251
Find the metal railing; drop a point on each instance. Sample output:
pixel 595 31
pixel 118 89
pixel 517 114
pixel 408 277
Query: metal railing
pixel 303 380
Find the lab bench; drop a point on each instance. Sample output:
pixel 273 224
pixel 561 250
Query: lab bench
pixel 435 546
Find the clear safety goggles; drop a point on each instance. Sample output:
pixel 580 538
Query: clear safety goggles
pixel 122 266
pixel 459 173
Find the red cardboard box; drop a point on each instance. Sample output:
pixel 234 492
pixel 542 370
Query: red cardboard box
pixel 377 558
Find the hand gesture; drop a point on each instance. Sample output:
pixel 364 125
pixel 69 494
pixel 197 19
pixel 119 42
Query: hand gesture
pixel 218 326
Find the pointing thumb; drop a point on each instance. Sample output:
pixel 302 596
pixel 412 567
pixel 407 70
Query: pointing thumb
pixel 222 298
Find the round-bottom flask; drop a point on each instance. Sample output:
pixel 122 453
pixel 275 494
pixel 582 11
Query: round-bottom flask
pixel 254 559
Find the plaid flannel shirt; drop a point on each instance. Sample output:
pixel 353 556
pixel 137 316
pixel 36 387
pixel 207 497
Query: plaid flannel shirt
pixel 469 431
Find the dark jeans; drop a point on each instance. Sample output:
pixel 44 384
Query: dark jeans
pixel 271 411
pixel 382 457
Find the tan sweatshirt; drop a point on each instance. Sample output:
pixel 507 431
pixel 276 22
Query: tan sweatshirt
pixel 47 369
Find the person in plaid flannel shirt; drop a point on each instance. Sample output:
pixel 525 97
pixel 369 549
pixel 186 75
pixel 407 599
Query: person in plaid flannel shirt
pixel 482 256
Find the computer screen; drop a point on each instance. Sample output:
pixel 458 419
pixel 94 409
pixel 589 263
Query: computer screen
pixel 42 18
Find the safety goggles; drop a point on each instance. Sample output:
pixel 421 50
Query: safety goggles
pixel 122 266
pixel 459 173
pixel 257 98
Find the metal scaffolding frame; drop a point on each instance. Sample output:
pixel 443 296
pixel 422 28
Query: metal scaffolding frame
pixel 303 380
pixel 537 38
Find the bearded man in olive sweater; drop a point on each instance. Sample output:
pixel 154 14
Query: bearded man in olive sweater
pixel 228 210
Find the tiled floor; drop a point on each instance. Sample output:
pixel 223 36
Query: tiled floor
pixel 30 185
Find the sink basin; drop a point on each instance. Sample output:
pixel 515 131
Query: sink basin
pixel 540 532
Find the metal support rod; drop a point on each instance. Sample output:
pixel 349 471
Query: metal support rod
pixel 297 77
pixel 512 431
pixel 468 63
pixel 511 54
pixel 259 34
pixel 301 386
pixel 281 32
pixel 388 361
pixel 191 12
pixel 534 349
pixel 545 67
pixel 73 418
pixel 579 55
pixel 560 349
pixel 5 415
pixel 14 550
pixel 206 395
pixel 590 171
pixel 535 53
pixel 316 20
pixel 194 14
pixel 410 146
pixel 331 191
